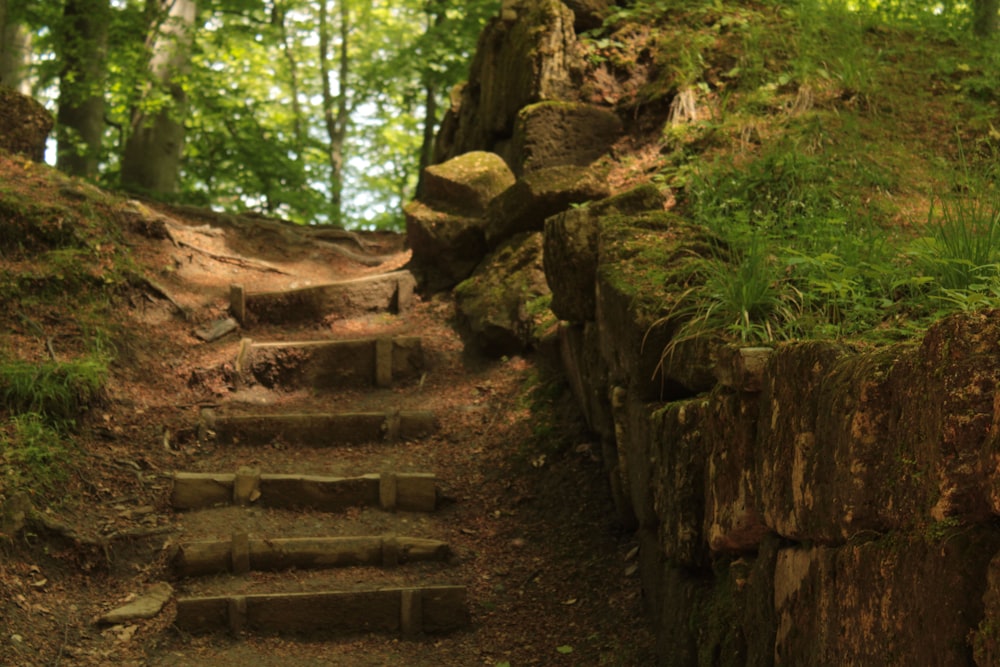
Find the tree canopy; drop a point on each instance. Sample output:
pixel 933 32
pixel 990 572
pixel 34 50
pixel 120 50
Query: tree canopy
pixel 313 110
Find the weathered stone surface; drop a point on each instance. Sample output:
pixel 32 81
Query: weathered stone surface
pixel 733 521
pixel 24 124
pixel 504 306
pixel 850 442
pixel 905 600
pixel 571 249
pixel 556 134
pixel 986 640
pixel 526 55
pixel 446 247
pixel 524 206
pixel 147 605
pixel 466 184
pixel 675 473
pixel 644 263
pixel 587 374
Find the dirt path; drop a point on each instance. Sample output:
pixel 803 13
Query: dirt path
pixel 546 577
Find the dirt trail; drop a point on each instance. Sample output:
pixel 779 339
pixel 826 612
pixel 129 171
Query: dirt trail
pixel 521 504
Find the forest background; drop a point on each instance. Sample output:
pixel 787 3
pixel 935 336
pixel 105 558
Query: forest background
pixel 317 112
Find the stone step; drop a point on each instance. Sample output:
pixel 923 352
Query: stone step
pixel 385 292
pixel 319 429
pixel 408 611
pixel 413 492
pixel 332 364
pixel 241 554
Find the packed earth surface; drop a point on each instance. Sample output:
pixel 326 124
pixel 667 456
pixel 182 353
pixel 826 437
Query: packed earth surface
pixel 550 576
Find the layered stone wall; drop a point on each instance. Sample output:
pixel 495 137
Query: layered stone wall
pixel 811 504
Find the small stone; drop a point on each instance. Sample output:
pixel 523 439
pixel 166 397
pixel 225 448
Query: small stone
pixel 17 639
pixel 147 606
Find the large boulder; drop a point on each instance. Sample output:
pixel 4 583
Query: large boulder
pixel 524 206
pixel 445 228
pixel 527 54
pixel 466 184
pixel 555 134
pixel 24 125
pixel 571 247
pixel 504 306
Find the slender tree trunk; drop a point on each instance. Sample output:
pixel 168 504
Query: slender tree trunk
pixel 278 19
pixel 15 51
pixel 435 17
pixel 152 157
pixel 336 108
pixel 83 43
pixel 984 22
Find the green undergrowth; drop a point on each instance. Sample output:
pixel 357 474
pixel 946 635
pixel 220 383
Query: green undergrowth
pixel 64 264
pixel 844 154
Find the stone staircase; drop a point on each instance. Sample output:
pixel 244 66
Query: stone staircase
pixel 272 549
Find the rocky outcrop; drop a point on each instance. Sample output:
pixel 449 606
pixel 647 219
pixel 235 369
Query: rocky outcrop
pixel 808 503
pixel 557 134
pixel 524 206
pixel 571 249
pixel 528 54
pixel 783 492
pixel 24 125
pixel 446 228
pixel 870 486
pixel 504 307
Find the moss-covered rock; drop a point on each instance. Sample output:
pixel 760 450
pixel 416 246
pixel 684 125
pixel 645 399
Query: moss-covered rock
pixel 539 195
pixel 504 306
pixel 445 226
pixel 556 134
pixel 525 55
pixel 466 184
pixel 447 247
pixel 571 249
pixel 645 263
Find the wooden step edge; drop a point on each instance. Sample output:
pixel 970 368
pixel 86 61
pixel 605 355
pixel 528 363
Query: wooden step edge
pixel 407 611
pixel 399 274
pixel 414 492
pixel 400 341
pixel 383 292
pixel 242 554
pixel 319 429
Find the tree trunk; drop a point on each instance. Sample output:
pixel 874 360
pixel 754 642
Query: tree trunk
pixel 984 21
pixel 336 123
pixel 435 17
pixel 15 51
pixel 278 19
pixel 83 43
pixel 152 157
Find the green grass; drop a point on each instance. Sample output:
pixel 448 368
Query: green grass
pixel 56 392
pixel 35 455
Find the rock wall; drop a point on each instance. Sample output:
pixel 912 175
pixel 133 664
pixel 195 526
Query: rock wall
pixel 811 504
